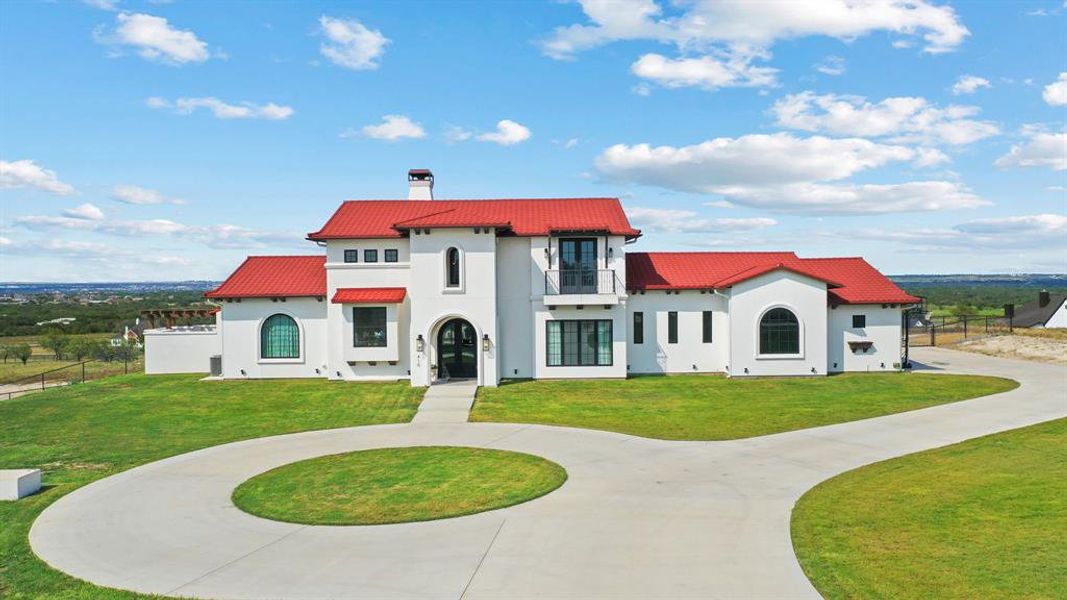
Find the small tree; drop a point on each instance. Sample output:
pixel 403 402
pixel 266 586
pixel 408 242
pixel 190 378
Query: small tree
pixel 103 351
pixel 80 348
pixel 57 343
pixel 5 353
pixel 22 352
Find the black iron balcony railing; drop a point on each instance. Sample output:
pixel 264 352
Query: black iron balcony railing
pixel 580 281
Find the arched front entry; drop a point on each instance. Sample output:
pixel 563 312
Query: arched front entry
pixel 457 350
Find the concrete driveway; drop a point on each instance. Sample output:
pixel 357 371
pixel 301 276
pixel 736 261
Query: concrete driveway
pixel 637 518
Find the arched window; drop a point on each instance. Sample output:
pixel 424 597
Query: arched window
pixel 452 267
pixel 279 337
pixel 779 332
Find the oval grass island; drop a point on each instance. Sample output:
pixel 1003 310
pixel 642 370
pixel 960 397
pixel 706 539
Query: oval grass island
pixel 397 485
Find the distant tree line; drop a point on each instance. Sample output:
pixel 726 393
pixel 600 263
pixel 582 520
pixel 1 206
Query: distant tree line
pixel 968 299
pixel 110 317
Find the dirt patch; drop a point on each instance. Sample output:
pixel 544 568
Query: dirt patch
pixel 1026 347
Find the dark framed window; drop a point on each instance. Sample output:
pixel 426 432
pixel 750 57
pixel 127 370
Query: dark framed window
pixel 279 337
pixel 351 256
pixel 639 328
pixel 370 256
pixel 369 327
pixel 779 332
pixel 672 327
pixel 578 266
pixel 706 326
pixel 579 343
pixel 391 255
pixel 859 321
pixel 452 267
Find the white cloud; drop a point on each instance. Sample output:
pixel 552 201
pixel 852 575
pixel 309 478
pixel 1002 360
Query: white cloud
pixel 785 173
pixel 393 128
pixel 969 84
pixel 111 257
pixel 132 194
pixel 350 44
pixel 155 39
pixel 706 72
pixel 26 173
pixel 102 4
pixel 756 24
pixel 687 221
pixel 508 133
pixel 642 89
pixel 909 119
pixel 222 110
pixel 87 211
pixel 455 134
pixel 1056 92
pixel 1041 231
pixel 1043 224
pixel 831 65
pixel 1041 149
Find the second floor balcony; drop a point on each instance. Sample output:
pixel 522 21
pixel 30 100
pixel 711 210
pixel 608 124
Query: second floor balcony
pixel 582 286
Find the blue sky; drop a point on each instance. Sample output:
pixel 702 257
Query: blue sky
pixel 168 140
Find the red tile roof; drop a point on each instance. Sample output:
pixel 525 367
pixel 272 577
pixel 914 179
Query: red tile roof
pixel 391 295
pixel 853 280
pixel 526 217
pixel 275 276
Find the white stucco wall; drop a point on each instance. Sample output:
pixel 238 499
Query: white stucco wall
pixel 181 350
pixel 749 300
pixel 883 329
pixel 240 326
pixel 514 305
pixel 1059 318
pixel 615 313
pixel 340 346
pixel 433 303
pixel 690 354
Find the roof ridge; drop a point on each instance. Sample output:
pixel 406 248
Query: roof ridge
pixel 432 214
pixel 251 256
pixel 472 200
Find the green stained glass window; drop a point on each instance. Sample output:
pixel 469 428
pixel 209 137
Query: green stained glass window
pixel 279 338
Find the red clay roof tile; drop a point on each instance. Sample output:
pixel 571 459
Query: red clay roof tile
pixel 391 295
pixel 275 276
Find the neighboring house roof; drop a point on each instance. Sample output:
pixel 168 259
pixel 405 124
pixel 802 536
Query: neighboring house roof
pixel 275 276
pixel 1032 313
pixel 852 279
pixel 521 217
pixel 391 295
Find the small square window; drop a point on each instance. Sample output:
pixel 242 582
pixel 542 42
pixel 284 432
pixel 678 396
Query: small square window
pixel 391 255
pixel 351 256
pixel 859 321
pixel 370 256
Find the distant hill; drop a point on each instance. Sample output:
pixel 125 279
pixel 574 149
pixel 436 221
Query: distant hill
pixel 1024 280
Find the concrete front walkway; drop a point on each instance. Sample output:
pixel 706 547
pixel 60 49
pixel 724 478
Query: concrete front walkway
pixel 447 402
pixel 637 518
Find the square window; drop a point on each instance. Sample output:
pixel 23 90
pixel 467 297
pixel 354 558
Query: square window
pixel 370 256
pixel 351 256
pixel 369 327
pixel 391 255
pixel 859 321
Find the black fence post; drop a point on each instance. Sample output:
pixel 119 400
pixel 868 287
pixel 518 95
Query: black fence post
pixel 42 381
pixel 83 372
pixel 933 334
pixel 964 327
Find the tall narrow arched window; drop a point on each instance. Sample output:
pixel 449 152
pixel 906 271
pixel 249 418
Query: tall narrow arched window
pixel 452 267
pixel 779 332
pixel 279 337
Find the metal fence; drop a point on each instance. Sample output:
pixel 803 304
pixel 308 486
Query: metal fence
pixel 944 331
pixel 79 372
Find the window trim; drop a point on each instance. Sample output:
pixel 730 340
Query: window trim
pixel 279 361
pixel 351 252
pixel 639 327
pixel 368 253
pixel 672 327
pixel 862 325
pixel 462 258
pixel 596 330
pixel 391 252
pixel 800 335
pixel 385 326
pixel 707 327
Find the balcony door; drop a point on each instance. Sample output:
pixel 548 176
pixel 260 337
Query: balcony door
pixel 578 266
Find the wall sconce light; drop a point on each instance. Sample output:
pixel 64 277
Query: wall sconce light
pixel 485 342
pixel 420 343
pixel 746 370
pixel 813 371
pixel 611 251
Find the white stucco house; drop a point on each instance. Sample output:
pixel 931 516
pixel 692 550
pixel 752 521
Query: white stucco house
pixel 426 290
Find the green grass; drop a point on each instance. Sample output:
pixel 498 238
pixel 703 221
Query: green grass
pixel 88 431
pixel 397 485
pixel 15 371
pixel 986 518
pixel 699 407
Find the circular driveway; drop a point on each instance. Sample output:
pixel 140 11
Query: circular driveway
pixel 637 518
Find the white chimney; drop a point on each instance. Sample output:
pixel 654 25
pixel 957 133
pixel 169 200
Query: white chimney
pixel 420 184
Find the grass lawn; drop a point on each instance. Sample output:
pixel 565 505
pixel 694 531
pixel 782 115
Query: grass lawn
pixel 986 518
pixel 701 407
pixel 397 485
pixel 82 433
